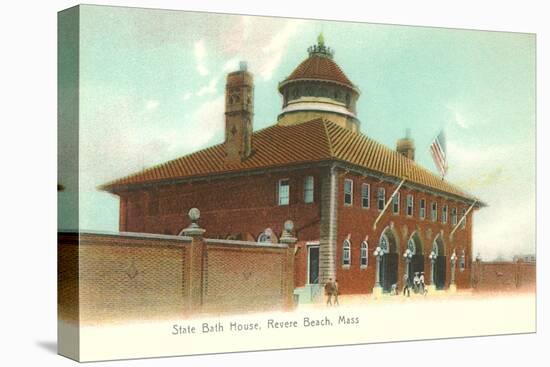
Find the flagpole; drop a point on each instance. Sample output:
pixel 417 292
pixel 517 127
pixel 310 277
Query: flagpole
pixel 463 218
pixel 388 203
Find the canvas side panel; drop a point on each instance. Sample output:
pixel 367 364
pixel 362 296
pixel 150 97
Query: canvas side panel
pixel 68 201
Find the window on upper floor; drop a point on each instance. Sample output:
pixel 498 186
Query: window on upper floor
pixel 364 254
pixel 284 191
pixel 308 189
pixel 395 203
pixel 422 209
pixel 381 198
pixel 444 214
pixel 346 252
pixel 434 211
pixel 410 204
pixel 463 223
pixel 348 191
pixel 454 216
pixel 365 195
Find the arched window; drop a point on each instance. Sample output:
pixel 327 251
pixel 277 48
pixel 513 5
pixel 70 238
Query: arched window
pixel 364 254
pixel 263 238
pixel 346 253
pixel 266 235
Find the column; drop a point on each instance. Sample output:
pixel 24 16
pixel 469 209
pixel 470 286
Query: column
pixel 195 264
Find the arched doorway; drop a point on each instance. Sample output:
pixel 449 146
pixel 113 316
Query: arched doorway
pixel 416 265
pixel 390 259
pixel 439 269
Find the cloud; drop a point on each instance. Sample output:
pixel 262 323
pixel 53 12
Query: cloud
pixel 210 88
pixel 275 49
pixel 200 56
pixel 186 96
pixel 207 122
pixel 457 118
pixel 261 42
pixel 502 176
pixel 151 105
pixel 231 65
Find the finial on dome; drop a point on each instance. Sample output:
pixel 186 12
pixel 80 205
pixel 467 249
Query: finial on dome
pixel 320 49
pixel 320 39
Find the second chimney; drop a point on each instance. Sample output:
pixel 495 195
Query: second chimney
pixel 405 146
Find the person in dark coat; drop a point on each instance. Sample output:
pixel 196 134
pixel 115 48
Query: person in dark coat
pixel 406 285
pixel 335 292
pixel 329 290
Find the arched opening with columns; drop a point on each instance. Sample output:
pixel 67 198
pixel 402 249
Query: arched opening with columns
pixel 416 264
pixel 439 269
pixel 390 259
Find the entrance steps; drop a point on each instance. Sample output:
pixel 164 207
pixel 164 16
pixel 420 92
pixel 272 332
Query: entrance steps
pixel 310 293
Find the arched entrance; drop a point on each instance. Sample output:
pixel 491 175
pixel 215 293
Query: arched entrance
pixel 416 265
pixel 390 259
pixel 439 269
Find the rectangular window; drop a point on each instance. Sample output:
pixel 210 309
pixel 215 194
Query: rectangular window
pixel 308 189
pixel 410 204
pixel 422 211
pixel 284 191
pixel 365 192
pixel 463 224
pixel 454 219
pixel 434 211
pixel 381 198
pixel 348 192
pixel 395 203
pixel 444 214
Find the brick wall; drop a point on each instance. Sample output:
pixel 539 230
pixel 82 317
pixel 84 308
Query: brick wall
pixel 501 276
pixel 111 277
pixel 106 277
pixel 246 277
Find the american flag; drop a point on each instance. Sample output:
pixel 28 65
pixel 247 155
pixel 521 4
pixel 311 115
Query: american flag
pixel 438 149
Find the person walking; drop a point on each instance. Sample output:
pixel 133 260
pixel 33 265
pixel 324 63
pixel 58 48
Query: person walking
pixel 416 282
pixel 422 284
pixel 335 292
pixel 329 290
pixel 406 285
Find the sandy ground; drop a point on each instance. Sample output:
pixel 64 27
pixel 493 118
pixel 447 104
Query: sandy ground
pixel 358 319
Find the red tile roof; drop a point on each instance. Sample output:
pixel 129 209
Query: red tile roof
pixel 279 146
pixel 319 68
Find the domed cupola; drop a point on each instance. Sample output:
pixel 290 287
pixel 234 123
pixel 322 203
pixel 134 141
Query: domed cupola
pixel 319 88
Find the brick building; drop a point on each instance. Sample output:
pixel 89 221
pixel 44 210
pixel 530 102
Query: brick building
pixel 315 167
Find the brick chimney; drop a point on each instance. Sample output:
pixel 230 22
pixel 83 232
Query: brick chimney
pixel 239 113
pixel 405 146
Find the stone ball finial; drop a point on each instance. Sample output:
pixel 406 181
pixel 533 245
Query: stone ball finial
pixel 194 214
pixel 288 225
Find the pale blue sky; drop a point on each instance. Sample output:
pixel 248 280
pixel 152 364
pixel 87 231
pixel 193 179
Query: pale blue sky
pixel 152 89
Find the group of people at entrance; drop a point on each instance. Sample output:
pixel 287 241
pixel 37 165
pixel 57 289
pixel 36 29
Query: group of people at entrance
pixel 418 284
pixel 331 290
